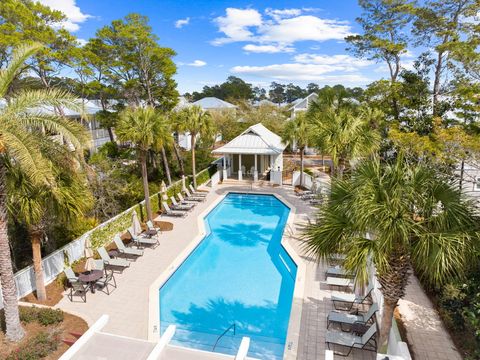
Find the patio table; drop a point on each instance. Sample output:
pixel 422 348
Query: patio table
pixel 91 277
pixel 150 232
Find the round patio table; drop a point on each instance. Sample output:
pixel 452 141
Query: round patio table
pixel 150 232
pixel 91 277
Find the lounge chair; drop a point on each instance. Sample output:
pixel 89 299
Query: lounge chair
pixel 112 263
pixel 106 281
pixel 170 212
pixel 181 207
pixel 338 271
pixel 350 299
pixel 141 241
pixel 184 201
pixel 124 251
pixel 343 318
pixel 191 197
pixel 339 282
pixel 151 227
pixel 197 192
pixel 366 342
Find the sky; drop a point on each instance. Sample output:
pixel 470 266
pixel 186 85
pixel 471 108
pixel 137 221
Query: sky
pixel 298 41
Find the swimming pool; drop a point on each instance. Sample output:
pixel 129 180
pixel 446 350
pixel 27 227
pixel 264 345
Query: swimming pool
pixel 239 274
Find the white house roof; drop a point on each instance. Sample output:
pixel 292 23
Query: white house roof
pixel 90 107
pixel 257 139
pixel 303 104
pixel 213 103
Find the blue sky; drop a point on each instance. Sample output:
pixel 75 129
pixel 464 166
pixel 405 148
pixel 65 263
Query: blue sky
pixel 262 41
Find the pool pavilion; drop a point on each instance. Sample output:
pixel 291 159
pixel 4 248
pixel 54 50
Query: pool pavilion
pixel 256 153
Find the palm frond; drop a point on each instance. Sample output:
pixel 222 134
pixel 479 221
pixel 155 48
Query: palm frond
pixel 20 55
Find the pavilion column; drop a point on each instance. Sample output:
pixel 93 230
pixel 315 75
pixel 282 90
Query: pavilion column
pixel 224 172
pixel 240 177
pixel 255 171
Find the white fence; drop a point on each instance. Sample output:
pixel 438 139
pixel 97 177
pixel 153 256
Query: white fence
pixel 54 263
pixel 322 181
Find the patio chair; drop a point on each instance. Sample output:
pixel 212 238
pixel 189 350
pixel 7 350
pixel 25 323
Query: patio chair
pixel 351 341
pixel 112 263
pixel 106 281
pixel 70 274
pixel 184 201
pixel 181 207
pixel 197 192
pixel 350 299
pixel 170 212
pixel 152 227
pixel 338 271
pixel 124 251
pixel 191 197
pixel 141 241
pixel 77 287
pixel 346 283
pixel 343 318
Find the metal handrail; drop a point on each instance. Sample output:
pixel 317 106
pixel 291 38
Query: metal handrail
pixel 227 330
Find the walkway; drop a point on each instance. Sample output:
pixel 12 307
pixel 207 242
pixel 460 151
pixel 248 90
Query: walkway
pixel 427 336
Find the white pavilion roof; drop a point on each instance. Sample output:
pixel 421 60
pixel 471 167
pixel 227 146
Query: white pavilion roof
pixel 257 139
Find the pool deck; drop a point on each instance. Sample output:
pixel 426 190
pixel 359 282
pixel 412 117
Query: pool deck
pixel 128 305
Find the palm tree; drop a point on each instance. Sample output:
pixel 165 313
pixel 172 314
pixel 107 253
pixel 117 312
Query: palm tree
pixel 196 122
pixel 343 132
pixel 36 204
pixel 297 131
pixel 20 121
pixel 148 130
pixel 397 216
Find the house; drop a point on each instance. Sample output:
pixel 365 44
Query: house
pixel 255 152
pixel 214 104
pixel 300 105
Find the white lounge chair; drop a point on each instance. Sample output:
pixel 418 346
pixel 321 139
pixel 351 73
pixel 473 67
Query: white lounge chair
pixel 338 271
pixel 196 192
pixel 170 212
pixel 140 241
pixel 181 207
pixel 351 341
pixel 109 262
pixel 339 282
pixel 184 201
pixel 123 250
pixel 343 318
pixel 194 198
pixel 349 300
pixel 152 227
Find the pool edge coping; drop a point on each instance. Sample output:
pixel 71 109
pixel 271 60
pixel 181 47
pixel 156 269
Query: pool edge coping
pixel 294 322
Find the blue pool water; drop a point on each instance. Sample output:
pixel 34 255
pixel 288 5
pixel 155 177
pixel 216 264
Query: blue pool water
pixel 239 274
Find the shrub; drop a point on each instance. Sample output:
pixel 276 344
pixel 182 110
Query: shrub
pixel 50 316
pixel 28 314
pixel 44 316
pixel 43 344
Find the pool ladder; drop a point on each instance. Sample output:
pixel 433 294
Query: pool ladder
pixel 224 333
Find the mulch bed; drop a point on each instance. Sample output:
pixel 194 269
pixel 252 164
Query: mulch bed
pixel 70 323
pixel 54 295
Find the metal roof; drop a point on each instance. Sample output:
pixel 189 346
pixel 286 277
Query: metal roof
pixel 257 139
pixel 208 103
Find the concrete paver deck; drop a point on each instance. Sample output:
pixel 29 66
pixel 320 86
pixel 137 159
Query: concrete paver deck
pixel 128 307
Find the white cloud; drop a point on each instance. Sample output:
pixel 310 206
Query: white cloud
pixel 236 23
pixel 82 42
pixel 294 71
pixel 338 60
pixel 278 14
pixel 71 10
pixel 312 67
pixel 270 49
pixel 182 22
pixel 303 28
pixel 196 63
pixel 281 27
